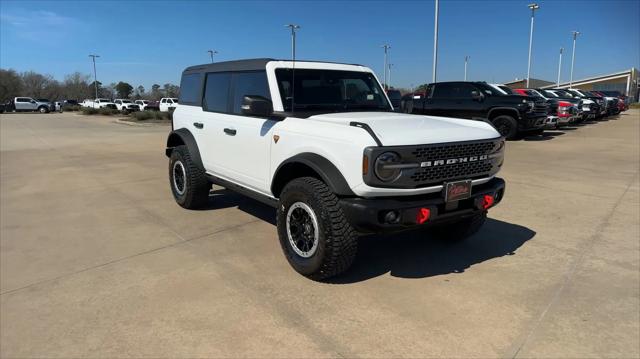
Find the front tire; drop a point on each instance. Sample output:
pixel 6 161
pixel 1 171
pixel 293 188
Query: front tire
pixel 188 183
pixel 315 236
pixel 460 230
pixel 43 109
pixel 506 125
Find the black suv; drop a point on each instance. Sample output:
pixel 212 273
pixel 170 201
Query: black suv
pixel 509 114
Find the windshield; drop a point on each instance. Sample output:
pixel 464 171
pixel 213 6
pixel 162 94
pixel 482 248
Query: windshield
pixel 550 93
pixel 126 101
pixel 506 89
pixel 532 93
pixel 331 91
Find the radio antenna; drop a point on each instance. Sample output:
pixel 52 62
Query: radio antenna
pixel 293 28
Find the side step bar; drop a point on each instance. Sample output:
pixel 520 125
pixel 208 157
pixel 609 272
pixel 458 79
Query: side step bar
pixel 269 201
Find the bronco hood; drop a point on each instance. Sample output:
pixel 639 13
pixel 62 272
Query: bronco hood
pixel 397 129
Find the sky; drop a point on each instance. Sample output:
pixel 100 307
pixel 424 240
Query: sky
pixel 147 42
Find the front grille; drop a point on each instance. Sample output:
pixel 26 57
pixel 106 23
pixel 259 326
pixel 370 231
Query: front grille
pixel 449 172
pixel 470 169
pixel 541 107
pixel 451 151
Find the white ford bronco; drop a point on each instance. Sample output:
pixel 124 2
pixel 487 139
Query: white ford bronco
pixel 321 143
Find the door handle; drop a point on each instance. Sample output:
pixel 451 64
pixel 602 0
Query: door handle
pixel 230 131
pixel 198 124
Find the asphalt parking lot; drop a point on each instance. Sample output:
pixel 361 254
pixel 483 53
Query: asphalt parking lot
pixel 96 259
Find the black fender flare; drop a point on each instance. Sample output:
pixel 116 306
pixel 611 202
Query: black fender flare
pixel 184 136
pixel 511 109
pixel 328 172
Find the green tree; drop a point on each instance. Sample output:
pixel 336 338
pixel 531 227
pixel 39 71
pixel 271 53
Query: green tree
pixel 124 89
pixel 92 92
pixel 139 93
pixel 171 90
pixel 156 93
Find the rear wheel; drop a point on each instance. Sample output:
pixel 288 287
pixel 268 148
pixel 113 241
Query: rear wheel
pixel 506 126
pixel 189 185
pixel 314 233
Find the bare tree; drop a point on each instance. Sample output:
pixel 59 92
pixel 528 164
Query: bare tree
pixel 76 86
pixel 10 85
pixel 37 85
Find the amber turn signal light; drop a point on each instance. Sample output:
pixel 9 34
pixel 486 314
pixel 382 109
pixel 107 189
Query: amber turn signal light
pixel 365 165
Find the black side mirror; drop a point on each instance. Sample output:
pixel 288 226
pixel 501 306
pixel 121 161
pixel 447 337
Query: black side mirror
pixel 256 106
pixel 33 101
pixel 477 95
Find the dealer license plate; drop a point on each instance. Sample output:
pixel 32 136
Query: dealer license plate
pixel 455 191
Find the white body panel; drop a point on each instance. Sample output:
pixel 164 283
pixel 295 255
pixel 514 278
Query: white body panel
pixel 251 157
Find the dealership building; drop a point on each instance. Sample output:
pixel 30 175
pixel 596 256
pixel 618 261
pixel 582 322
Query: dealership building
pixel 626 82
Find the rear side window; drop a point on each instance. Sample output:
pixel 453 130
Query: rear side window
pixel 190 89
pixel 461 90
pixel 22 99
pixel 216 92
pixel 249 83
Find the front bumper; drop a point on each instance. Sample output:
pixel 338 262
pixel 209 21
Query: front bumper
pixel 368 215
pixel 535 122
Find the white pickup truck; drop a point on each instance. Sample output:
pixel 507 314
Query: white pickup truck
pixel 125 105
pixel 99 103
pixel 142 104
pixel 168 104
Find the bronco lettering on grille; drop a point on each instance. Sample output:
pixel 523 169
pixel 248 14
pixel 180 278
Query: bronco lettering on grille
pixel 452 161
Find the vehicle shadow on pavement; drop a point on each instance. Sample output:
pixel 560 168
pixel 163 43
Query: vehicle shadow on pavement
pixel 411 254
pixel 416 255
pixel 223 198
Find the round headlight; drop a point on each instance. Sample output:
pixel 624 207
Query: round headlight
pixel 384 168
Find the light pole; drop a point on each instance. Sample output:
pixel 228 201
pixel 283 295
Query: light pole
pixel 211 53
pixel 573 56
pixel 435 43
pixel 559 67
pixel 95 76
pixel 389 78
pixel 466 60
pixel 386 48
pixel 533 8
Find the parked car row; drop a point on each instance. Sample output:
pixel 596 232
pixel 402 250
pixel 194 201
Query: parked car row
pixel 165 104
pixel 513 112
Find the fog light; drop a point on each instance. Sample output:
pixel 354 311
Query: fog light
pixel 423 215
pixel 391 217
pixel 487 201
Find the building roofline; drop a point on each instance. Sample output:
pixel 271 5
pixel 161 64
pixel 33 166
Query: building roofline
pixel 595 78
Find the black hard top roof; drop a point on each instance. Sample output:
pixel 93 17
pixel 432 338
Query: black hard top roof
pixel 242 65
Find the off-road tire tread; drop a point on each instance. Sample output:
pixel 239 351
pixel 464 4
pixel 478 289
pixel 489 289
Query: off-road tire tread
pixel 198 187
pixel 341 239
